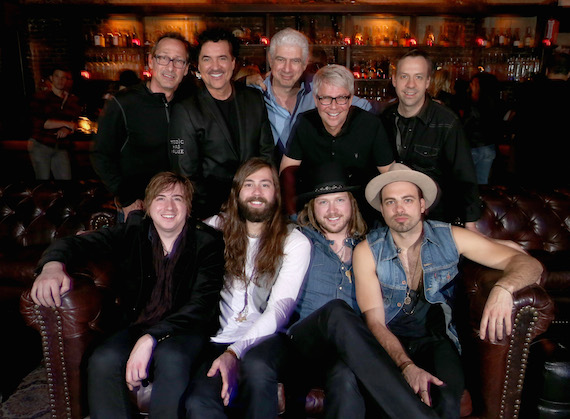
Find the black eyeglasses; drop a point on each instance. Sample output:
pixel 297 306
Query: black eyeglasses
pixel 164 60
pixel 327 100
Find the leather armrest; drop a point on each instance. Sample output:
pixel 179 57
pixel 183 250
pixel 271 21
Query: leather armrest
pixel 67 332
pixel 499 368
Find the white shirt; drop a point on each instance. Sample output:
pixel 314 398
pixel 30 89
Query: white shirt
pixel 282 301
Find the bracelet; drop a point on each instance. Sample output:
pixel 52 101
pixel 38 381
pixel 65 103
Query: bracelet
pixel 405 365
pixel 231 351
pixel 505 288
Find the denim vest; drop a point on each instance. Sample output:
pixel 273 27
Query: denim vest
pixel 439 258
pixel 327 278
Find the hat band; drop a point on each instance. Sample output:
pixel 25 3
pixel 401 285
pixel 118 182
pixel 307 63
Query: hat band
pixel 329 188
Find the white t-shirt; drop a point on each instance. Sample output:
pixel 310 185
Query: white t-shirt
pixel 282 300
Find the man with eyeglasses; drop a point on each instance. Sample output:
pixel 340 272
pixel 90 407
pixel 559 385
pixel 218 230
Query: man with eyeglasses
pixel 338 131
pixel 218 128
pixel 131 143
pixel 287 88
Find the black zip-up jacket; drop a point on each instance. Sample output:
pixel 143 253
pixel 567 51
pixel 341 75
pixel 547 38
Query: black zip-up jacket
pixel 131 144
pixel 197 282
pixel 434 143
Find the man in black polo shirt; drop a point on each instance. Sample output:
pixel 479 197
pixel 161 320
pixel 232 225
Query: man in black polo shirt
pixel 338 131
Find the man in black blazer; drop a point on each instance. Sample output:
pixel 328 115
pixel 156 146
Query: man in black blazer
pixel 170 269
pixel 218 128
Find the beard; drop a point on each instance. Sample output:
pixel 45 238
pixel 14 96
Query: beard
pixel 333 229
pixel 255 215
pixel 403 227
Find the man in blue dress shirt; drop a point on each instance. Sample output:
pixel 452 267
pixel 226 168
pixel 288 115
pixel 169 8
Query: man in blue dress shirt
pixel 286 90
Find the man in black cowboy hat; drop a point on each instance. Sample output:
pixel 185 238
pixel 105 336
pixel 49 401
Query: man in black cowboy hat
pixel 404 275
pixel 307 355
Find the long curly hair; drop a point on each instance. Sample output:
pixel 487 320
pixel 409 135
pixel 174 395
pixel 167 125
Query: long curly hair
pixel 233 225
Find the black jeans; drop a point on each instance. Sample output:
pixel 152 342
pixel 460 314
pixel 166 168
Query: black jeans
pixel 439 356
pixel 277 360
pixel 204 399
pixel 335 330
pixel 170 371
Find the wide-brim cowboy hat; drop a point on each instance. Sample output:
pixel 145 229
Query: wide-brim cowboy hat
pixel 327 178
pixel 401 173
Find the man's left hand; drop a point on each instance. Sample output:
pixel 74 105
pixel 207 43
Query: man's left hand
pixel 496 319
pixel 139 360
pixel 228 367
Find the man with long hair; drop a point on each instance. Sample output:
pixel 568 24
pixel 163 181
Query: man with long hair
pixel 266 261
pixel 332 221
pixel 170 272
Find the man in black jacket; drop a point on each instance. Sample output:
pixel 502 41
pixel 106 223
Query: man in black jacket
pixel 171 269
pixel 131 142
pixel 220 127
pixel 429 138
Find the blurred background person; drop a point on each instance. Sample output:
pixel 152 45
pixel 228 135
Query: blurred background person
pixel 483 122
pixel 54 113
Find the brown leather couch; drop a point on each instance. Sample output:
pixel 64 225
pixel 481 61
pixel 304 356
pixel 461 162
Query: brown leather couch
pixel 495 372
pixel 32 215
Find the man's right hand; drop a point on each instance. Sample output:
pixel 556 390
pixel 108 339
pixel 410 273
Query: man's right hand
pixel 420 381
pixel 50 285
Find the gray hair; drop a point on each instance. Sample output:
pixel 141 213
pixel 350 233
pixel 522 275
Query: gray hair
pixel 334 74
pixel 289 36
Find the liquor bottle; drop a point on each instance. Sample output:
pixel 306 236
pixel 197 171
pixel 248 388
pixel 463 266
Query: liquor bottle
pixel 429 38
pixel 502 37
pixel 99 39
pixel 403 37
pixel 394 40
pixel 115 38
pixel 528 39
pixel 517 38
pixel 509 37
pixel 443 36
pixel 358 38
pixel 135 40
pixel 385 37
pixel 128 40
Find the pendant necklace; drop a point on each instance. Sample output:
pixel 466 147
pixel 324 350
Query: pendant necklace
pixel 242 315
pixel 408 299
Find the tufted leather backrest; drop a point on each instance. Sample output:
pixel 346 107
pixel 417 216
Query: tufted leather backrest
pixel 537 220
pixel 34 214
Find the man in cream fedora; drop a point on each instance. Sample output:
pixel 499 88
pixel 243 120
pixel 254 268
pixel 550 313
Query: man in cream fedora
pixel 405 281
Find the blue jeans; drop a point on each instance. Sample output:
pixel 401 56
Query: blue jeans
pixel 46 160
pixel 483 159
